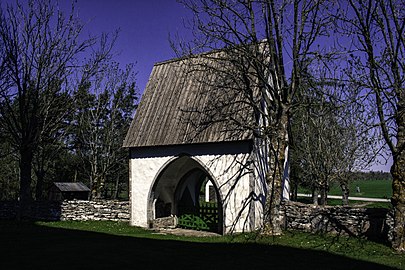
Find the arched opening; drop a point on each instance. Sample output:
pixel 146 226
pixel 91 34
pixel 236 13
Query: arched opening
pixel 185 189
pixel 196 209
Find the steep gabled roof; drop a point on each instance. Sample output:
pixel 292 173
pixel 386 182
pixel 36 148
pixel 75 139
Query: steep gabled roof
pixel 177 108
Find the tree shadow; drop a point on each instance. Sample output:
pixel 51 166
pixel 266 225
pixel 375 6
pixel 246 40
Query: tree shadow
pixel 30 246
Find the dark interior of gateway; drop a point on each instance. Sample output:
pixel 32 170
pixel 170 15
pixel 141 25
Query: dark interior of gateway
pixel 185 189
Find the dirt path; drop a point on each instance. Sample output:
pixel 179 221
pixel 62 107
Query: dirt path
pixel 350 198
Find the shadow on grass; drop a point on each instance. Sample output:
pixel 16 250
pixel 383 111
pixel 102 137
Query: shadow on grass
pixel 29 246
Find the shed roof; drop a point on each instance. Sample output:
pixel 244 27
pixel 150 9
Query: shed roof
pixel 177 108
pixel 71 187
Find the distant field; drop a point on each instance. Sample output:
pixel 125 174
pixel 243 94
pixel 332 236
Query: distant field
pixel 368 188
pixel 334 202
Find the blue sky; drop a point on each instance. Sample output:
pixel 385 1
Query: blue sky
pixel 145 26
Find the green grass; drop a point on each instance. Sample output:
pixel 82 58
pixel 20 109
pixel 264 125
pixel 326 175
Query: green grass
pixel 368 188
pixel 112 245
pixel 335 202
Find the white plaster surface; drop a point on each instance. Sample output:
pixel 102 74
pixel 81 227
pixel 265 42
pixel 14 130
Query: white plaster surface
pixel 241 210
pixel 143 172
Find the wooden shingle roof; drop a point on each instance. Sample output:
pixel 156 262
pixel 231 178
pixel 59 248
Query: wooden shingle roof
pixel 177 108
pixel 71 187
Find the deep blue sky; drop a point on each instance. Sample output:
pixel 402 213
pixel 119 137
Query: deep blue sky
pixel 145 26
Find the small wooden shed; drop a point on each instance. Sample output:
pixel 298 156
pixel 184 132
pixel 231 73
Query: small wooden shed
pixel 68 191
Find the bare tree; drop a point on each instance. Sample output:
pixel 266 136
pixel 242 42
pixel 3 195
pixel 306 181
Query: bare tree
pixel 104 107
pixel 265 46
pixel 329 138
pixel 8 171
pixel 40 49
pixel 377 35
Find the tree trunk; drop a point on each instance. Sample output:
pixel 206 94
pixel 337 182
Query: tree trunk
pixel 324 193
pixel 93 187
pixel 25 182
pixel 345 193
pixel 101 187
pixel 315 193
pixel 294 191
pixel 116 187
pixel 39 188
pixel 398 178
pixel 272 207
pixel 276 176
pixel 398 202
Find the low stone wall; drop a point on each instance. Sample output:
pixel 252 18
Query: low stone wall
pixel 373 223
pixel 70 210
pixel 95 210
pixel 164 222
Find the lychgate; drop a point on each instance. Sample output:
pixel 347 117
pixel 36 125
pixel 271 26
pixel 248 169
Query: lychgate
pixel 205 172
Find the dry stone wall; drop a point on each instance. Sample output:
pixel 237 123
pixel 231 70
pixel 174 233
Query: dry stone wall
pixel 95 210
pixel 373 223
pixel 70 210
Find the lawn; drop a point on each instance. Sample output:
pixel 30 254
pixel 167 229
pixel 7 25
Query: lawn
pixel 368 188
pixel 112 245
pixel 337 202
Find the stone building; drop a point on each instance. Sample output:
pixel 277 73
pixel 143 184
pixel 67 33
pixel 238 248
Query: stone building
pixel 178 153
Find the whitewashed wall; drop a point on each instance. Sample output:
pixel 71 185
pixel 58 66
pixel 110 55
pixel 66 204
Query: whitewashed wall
pixel 241 195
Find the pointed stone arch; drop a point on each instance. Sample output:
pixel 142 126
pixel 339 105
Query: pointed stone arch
pixel 156 172
pixel 179 180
